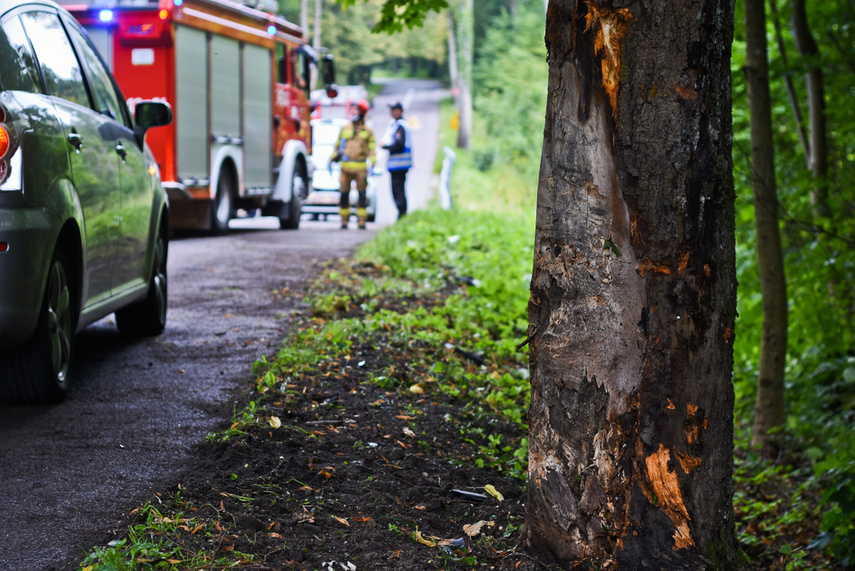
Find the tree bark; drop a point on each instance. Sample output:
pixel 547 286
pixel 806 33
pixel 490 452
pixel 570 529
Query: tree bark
pixel 808 48
pixel 633 293
pixel 769 408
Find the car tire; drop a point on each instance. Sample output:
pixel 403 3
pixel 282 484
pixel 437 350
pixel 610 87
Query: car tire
pixel 37 372
pixel 222 209
pixel 148 317
pixel 299 191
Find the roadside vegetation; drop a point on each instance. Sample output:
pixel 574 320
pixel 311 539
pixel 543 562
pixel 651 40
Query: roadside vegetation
pixel 429 320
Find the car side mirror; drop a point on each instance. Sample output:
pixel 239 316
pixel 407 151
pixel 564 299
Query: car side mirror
pixel 148 114
pixel 328 70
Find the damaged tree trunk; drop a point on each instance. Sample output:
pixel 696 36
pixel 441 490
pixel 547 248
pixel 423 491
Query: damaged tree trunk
pixel 633 293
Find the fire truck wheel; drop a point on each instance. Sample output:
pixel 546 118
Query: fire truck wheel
pixel 221 210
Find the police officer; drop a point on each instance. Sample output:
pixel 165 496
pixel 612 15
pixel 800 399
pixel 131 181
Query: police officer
pixel 398 141
pixel 355 146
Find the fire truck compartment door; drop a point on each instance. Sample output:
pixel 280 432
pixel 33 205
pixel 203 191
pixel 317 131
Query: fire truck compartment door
pixel 191 103
pixel 258 115
pixel 225 87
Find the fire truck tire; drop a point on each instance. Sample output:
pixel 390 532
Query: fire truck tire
pixel 222 209
pixel 299 184
pixel 148 317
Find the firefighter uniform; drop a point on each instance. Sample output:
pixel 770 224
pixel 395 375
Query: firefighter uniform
pixel 355 146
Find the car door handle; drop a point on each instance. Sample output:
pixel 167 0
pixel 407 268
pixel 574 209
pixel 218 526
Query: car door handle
pixel 120 149
pixel 76 140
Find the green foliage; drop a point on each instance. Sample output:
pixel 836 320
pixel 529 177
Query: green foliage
pixel 150 543
pixel 820 268
pixel 510 77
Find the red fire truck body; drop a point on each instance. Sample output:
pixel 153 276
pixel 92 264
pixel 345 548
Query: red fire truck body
pixel 237 79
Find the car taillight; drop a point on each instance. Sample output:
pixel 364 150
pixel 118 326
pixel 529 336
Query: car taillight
pixel 4 141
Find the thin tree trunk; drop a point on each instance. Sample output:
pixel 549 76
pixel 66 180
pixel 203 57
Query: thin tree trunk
pixel 788 82
pixel 465 32
pixel 453 73
pixel 633 293
pixel 808 48
pixel 769 408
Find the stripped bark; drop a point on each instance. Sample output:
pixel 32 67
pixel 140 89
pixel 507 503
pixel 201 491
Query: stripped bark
pixel 633 293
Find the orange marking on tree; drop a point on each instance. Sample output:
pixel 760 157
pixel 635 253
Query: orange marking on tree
pixel 686 93
pixel 649 266
pixel 691 409
pixel 688 463
pixel 611 27
pixel 667 496
pixel 684 261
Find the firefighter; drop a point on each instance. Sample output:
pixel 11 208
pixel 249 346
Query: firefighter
pixel 354 148
pixel 398 141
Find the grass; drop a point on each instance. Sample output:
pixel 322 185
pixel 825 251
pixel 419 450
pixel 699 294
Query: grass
pixel 459 280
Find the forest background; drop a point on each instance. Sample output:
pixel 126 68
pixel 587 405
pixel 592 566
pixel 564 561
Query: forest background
pixel 803 498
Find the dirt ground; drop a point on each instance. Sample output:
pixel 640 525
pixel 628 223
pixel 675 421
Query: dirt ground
pixel 355 478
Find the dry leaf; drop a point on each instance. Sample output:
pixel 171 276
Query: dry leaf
pixel 409 432
pixel 494 492
pixel 305 516
pixel 417 389
pixel 342 520
pixel 274 421
pixel 326 474
pixel 422 540
pixel 473 529
pixel 361 519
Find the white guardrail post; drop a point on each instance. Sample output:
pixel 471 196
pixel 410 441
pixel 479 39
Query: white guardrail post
pixel 445 179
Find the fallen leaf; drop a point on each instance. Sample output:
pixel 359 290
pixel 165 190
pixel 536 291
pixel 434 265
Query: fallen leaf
pixel 276 535
pixel 197 528
pixel 405 417
pixel 474 529
pixel 418 536
pixel 274 421
pixel 409 432
pixel 417 389
pixel 341 520
pixel 494 492
pixel 305 516
pixel 361 519
pixel 326 474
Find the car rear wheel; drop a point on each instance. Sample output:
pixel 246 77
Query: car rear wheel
pixel 222 209
pixel 300 190
pixel 148 317
pixel 37 372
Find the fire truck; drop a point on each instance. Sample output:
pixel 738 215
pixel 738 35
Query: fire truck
pixel 237 78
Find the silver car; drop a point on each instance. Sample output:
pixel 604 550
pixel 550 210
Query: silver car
pixel 83 218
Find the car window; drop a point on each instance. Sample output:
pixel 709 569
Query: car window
pixel 60 68
pixel 106 100
pixel 18 69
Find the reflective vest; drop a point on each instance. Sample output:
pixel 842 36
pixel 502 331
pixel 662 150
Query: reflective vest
pixel 403 160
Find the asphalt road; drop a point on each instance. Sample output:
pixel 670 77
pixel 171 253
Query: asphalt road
pixel 69 472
